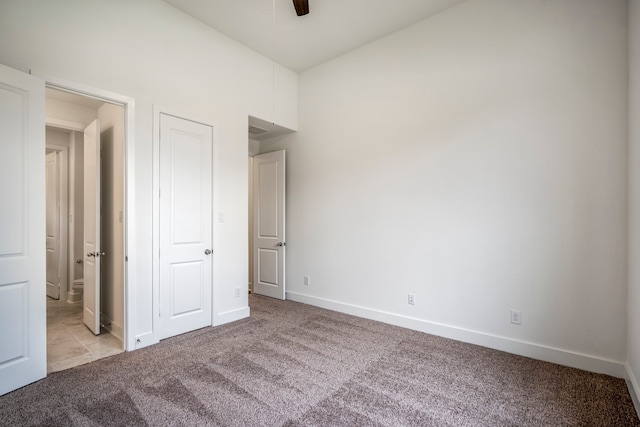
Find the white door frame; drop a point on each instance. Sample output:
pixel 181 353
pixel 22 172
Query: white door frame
pixel 129 339
pixel 154 335
pixel 250 215
pixel 63 250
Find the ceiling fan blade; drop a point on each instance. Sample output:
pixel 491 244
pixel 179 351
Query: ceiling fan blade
pixel 302 7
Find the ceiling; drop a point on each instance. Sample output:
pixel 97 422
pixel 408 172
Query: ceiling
pixel 333 27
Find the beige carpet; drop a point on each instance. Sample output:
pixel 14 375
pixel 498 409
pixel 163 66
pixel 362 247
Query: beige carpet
pixel 295 365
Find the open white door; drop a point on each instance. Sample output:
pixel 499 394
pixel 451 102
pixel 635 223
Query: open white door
pixel 23 338
pixel 53 224
pixel 268 224
pixel 91 239
pixel 186 277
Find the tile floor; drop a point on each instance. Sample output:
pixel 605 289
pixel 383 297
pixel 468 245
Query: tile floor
pixel 69 342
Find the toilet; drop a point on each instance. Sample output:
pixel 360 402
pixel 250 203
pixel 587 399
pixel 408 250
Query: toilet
pixel 75 293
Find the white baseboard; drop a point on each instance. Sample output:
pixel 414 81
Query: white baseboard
pixel 634 387
pixel 113 327
pixel 231 316
pixel 150 338
pixel 509 345
pixel 144 340
pixel 74 296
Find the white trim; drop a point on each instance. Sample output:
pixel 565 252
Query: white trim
pixel 155 226
pixel 64 124
pixel 522 348
pixel 113 327
pixel 231 316
pixel 633 386
pixel 145 340
pixel 55 82
pixel 250 224
pixel 130 268
pixel 73 295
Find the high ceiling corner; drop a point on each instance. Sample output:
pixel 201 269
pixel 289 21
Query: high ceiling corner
pixel 332 28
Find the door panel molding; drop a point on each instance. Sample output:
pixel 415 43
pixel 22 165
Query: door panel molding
pixel 22 227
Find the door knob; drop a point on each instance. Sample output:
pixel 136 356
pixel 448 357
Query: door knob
pixel 281 244
pixel 208 251
pixel 90 254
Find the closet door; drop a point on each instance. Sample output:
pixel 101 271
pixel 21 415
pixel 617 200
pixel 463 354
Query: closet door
pixel 186 239
pixel 268 224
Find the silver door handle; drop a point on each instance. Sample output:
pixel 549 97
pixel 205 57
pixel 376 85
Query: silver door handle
pixel 281 244
pixel 90 254
pixel 208 251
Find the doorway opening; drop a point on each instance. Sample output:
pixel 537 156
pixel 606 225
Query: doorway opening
pixel 81 278
pixel 266 227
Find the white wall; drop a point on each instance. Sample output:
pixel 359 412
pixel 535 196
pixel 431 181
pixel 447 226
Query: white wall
pixel 633 300
pixel 112 198
pixel 254 147
pixel 76 204
pixel 477 160
pixel 149 51
pixel 57 136
pixel 63 111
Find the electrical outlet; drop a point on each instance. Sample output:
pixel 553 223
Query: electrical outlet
pixel 237 292
pixel 411 299
pixel 516 317
pixel 307 280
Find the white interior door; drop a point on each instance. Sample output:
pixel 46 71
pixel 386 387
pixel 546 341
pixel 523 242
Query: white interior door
pixel 186 167
pixel 268 224
pixel 23 339
pixel 91 239
pixel 52 174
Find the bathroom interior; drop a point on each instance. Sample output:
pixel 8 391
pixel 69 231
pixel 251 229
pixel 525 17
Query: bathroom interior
pixel 70 338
